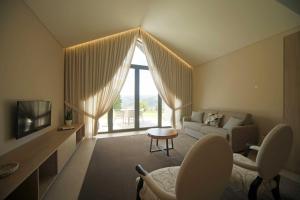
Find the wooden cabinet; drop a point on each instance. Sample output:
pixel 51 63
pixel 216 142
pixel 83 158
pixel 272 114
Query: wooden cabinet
pixel 40 161
pixel 65 151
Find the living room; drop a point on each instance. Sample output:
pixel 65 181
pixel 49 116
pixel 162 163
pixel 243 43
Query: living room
pixel 147 82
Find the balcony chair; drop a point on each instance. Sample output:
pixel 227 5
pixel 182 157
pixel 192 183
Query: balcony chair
pixel 256 178
pixel 203 174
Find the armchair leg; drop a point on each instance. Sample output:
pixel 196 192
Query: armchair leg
pixel 138 189
pixel 275 191
pixel 252 194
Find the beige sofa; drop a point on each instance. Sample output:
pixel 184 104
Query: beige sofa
pixel 238 136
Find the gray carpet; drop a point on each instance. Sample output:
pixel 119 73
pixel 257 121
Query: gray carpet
pixel 111 174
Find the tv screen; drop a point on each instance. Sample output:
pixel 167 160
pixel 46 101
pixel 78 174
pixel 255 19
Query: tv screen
pixel 32 116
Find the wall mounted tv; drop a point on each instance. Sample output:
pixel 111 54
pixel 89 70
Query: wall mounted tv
pixel 32 116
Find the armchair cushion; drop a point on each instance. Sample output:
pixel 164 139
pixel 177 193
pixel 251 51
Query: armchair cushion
pixel 165 179
pixel 244 162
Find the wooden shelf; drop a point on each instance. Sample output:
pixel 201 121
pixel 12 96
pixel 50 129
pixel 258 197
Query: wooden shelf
pixel 39 160
pixel 47 174
pixel 22 191
pixel 45 184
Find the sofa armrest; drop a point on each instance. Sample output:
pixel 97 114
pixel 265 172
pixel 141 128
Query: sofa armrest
pixel 186 118
pixel 239 136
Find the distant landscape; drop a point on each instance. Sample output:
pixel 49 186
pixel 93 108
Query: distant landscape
pixel 149 102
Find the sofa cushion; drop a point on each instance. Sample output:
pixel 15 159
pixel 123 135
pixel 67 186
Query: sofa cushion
pixel 193 133
pixel 214 130
pixel 192 125
pixel 206 113
pixel 197 116
pixel 244 117
pixel 213 119
pixel 232 122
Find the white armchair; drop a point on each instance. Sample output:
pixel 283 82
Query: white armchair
pixel 263 174
pixel 203 174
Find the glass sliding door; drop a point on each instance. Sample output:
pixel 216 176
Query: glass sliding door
pixel 103 123
pixel 139 105
pixel 124 107
pixel 148 100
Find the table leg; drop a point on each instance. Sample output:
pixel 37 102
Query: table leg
pixel 172 143
pixel 151 145
pixel 156 142
pixel 167 146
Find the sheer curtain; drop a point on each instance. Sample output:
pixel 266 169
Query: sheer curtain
pixel 94 75
pixel 172 76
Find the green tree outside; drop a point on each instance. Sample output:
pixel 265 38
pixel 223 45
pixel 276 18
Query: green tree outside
pixel 117 104
pixel 144 106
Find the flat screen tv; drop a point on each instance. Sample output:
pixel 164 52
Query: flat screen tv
pixel 32 116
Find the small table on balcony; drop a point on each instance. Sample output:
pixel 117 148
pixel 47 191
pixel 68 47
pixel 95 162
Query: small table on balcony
pixel 162 134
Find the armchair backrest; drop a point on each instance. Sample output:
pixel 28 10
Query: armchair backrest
pixel 274 151
pixel 205 170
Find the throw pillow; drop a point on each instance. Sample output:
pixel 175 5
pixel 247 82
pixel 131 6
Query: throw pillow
pixel 197 116
pixel 232 122
pixel 213 119
pixel 209 118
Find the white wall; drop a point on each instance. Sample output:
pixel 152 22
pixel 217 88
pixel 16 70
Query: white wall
pixel 31 67
pixel 247 80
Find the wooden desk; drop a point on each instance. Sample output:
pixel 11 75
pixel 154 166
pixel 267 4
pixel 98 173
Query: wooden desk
pixel 40 160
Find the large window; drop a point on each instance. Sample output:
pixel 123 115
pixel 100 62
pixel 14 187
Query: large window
pixel 139 105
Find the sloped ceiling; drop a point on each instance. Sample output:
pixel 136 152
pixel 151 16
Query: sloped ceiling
pixel 197 30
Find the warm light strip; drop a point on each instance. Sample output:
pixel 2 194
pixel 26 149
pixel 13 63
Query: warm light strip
pixel 103 38
pixel 135 29
pixel 166 48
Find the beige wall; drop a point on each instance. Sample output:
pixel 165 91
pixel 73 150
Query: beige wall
pixel 31 67
pixel 247 80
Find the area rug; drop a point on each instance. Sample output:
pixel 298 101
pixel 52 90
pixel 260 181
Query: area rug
pixel 111 173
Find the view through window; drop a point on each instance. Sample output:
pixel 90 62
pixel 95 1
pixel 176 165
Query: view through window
pixel 138 105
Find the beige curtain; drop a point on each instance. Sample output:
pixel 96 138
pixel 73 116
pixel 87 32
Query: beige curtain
pixel 172 76
pixel 94 75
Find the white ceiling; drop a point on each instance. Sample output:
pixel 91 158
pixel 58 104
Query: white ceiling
pixel 197 30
